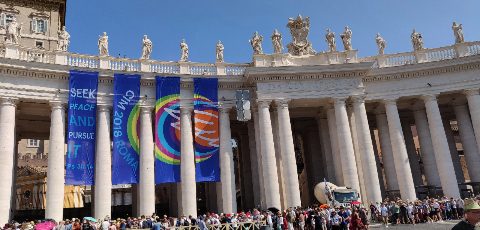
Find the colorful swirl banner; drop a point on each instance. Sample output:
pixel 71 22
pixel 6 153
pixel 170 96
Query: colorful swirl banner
pixel 81 135
pixel 125 129
pixel 206 134
pixel 167 130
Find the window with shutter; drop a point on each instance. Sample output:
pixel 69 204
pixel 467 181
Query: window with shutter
pixel 46 26
pixel 2 20
pixel 33 23
pixel 9 18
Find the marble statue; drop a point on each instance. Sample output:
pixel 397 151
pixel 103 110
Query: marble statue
pixel 103 44
pixel 346 37
pixel 277 42
pixel 13 32
pixel 63 39
pixel 184 48
pixel 146 48
pixel 330 38
pixel 381 44
pixel 219 51
pixel 417 40
pixel 458 32
pixel 256 43
pixel 299 29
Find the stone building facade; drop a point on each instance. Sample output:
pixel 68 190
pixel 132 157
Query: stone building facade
pixel 386 125
pixel 40 21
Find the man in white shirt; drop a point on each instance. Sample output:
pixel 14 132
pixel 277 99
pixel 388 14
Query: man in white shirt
pixel 384 213
pixel 106 223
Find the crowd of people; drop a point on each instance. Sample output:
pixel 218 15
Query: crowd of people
pixel 322 217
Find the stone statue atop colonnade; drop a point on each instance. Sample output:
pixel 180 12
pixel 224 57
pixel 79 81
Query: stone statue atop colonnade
pixel 299 29
pixel 103 44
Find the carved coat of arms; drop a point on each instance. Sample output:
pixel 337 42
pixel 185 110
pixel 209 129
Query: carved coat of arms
pixel 299 29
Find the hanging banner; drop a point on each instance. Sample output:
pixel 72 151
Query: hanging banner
pixel 125 129
pixel 167 130
pixel 206 139
pixel 82 110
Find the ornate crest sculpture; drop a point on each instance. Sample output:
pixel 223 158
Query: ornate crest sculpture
pixel 299 29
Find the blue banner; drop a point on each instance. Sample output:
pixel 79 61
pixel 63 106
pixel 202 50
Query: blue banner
pixel 82 111
pixel 206 135
pixel 167 130
pixel 125 129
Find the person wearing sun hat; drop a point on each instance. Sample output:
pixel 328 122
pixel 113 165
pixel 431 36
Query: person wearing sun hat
pixel 472 216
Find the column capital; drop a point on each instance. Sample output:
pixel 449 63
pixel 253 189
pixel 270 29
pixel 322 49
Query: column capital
pixel 390 101
pixel 11 101
pixel 57 104
pixel 282 103
pixel 224 107
pixel 105 107
pixel 263 103
pixel 186 108
pixel 470 92
pixel 358 99
pixel 429 97
pixel 339 100
pixel 146 108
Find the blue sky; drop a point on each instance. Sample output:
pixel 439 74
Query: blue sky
pixel 203 22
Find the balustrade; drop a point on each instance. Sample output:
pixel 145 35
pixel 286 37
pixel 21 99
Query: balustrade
pixel 189 68
pixel 473 48
pixel 203 69
pixel 439 54
pixel 79 60
pixel 36 55
pixel 399 59
pixel 164 67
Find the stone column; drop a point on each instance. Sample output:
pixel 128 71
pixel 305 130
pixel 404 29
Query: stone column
pixel 327 148
pixel 146 185
pixel 453 150
pixel 254 160
pixel 356 150
pixel 289 163
pixel 269 163
pixel 103 161
pixel 441 149
pixel 474 105
pixel 387 152
pixel 258 146
pixel 426 148
pixel 366 154
pixel 7 157
pixel 188 204
pixel 470 150
pixel 245 167
pixel 278 157
pixel 347 154
pixel 412 152
pixel 400 155
pixel 56 162
pixel 378 161
pixel 227 169
pixel 337 160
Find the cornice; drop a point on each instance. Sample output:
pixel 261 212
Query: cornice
pixel 424 69
pixel 41 71
pixel 257 74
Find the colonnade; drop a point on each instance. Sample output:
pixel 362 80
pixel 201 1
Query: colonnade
pixel 335 137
